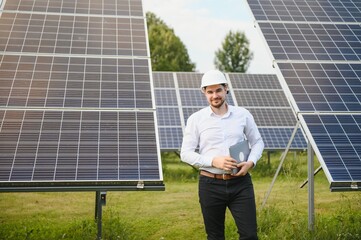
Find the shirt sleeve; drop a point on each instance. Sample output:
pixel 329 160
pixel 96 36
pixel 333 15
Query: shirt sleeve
pixel 254 139
pixel 190 144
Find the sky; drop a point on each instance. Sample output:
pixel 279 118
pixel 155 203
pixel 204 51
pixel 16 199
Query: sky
pixel 202 26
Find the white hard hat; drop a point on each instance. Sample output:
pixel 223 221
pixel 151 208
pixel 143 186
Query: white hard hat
pixel 213 77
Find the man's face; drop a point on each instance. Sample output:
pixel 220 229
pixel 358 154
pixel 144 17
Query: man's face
pixel 216 95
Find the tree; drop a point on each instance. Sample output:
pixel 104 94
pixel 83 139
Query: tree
pixel 168 53
pixel 234 56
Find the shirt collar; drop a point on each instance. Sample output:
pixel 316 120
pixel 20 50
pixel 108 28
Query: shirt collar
pixel 212 114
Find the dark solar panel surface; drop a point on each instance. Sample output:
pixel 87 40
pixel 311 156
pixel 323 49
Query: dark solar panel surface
pixel 310 11
pixel 73 82
pixel 313 42
pixel 317 48
pixel 338 138
pixel 278 138
pixel 108 7
pixel 72 34
pixel 44 145
pixel 167 105
pixel 324 86
pixel 170 138
pixel 76 97
pixel 189 80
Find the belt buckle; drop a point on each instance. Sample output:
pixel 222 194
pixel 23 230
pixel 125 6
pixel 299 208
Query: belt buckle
pixel 223 176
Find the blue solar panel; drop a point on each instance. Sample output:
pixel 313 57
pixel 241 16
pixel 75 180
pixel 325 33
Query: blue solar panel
pixel 165 97
pixel 311 42
pixel 193 98
pixel 278 138
pixel 168 116
pixel 338 138
pixel 324 86
pixel 316 46
pixel 303 10
pixel 170 138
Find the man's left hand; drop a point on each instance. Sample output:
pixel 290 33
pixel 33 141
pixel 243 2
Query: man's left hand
pixel 244 167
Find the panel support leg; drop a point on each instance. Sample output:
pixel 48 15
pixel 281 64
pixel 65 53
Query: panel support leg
pixel 311 188
pixel 100 201
pixel 283 156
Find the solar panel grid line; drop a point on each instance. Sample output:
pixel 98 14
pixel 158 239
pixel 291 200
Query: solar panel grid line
pixel 58 148
pixel 231 90
pixel 70 14
pixel 37 147
pixel 16 149
pixel 181 113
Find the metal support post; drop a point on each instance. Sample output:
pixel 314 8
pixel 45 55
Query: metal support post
pixel 311 188
pixel 283 156
pixel 100 201
pixel 314 174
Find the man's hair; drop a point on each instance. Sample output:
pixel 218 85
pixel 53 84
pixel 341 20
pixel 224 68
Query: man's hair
pixel 223 84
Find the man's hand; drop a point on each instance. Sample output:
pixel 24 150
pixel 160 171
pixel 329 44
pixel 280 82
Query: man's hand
pixel 224 162
pixel 244 167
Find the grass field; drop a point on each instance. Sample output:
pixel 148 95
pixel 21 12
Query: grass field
pixel 175 212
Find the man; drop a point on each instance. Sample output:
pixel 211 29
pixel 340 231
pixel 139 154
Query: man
pixel 213 130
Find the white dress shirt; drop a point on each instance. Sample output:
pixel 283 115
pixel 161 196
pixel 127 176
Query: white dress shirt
pixel 215 134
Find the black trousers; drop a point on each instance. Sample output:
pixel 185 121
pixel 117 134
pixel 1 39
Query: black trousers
pixel 238 195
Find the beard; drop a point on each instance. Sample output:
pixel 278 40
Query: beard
pixel 217 103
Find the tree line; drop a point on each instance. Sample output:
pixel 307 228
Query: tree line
pixel 168 52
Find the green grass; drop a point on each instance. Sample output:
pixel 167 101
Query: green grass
pixel 175 212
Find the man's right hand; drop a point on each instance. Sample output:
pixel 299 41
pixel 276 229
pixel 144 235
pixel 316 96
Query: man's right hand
pixel 224 162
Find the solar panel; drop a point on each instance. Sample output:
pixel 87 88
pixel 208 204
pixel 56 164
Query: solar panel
pixel 93 7
pixel 263 97
pixel 73 82
pixel 45 145
pixel 71 34
pixel 313 42
pixel 330 87
pixel 169 121
pixel 170 138
pixel 76 97
pixel 338 138
pixel 316 47
pixel 310 11
pixel 278 138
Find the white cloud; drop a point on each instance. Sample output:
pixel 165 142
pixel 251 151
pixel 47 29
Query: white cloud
pixel 202 28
